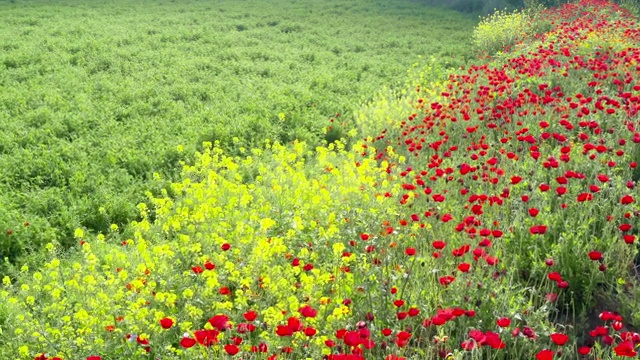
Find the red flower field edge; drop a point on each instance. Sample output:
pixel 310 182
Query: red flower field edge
pixel 551 125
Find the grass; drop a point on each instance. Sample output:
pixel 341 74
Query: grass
pixel 96 97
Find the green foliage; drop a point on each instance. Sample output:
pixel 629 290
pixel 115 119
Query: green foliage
pixel 631 5
pixel 96 97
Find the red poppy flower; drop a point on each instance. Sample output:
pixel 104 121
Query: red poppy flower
pixel 225 246
pixel 308 312
pixel 493 340
pixel 220 322
pixel 309 331
pixel 464 267
pixel 584 350
pixel 244 328
pixel 627 199
pixel 595 255
pixel 283 330
pixel 410 251
pixel 94 357
pixel 529 333
pixel 439 244
pixel 485 243
pixel 224 291
pixel 409 187
pixel 582 197
pixel 187 342
pixel 446 280
pixel 503 322
pixel 330 343
pixel 625 348
pixel 206 337
pixel 602 267
pixel 538 229
pixel 250 315
pixel 549 262
pixel 607 316
pixel 559 339
pixel 197 269
pixel 491 260
pixel 533 212
pixel 468 345
pixel 545 354
pixel 351 338
pixel 554 276
pixel 262 347
pixel 231 349
pixel 166 323
pixel 294 324
pixel 625 227
pixel 402 338
pixel 617 326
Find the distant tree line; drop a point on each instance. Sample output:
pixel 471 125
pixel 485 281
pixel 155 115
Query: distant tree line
pixel 487 6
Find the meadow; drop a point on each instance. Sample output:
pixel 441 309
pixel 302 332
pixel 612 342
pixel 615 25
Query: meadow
pixel 486 210
pixel 100 101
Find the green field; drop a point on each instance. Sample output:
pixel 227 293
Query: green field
pixel 97 96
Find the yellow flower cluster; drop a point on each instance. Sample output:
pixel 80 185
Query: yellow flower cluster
pixel 267 238
pixel 502 28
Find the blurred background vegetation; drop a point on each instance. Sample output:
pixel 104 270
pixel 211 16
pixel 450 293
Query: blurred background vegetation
pixel 485 7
